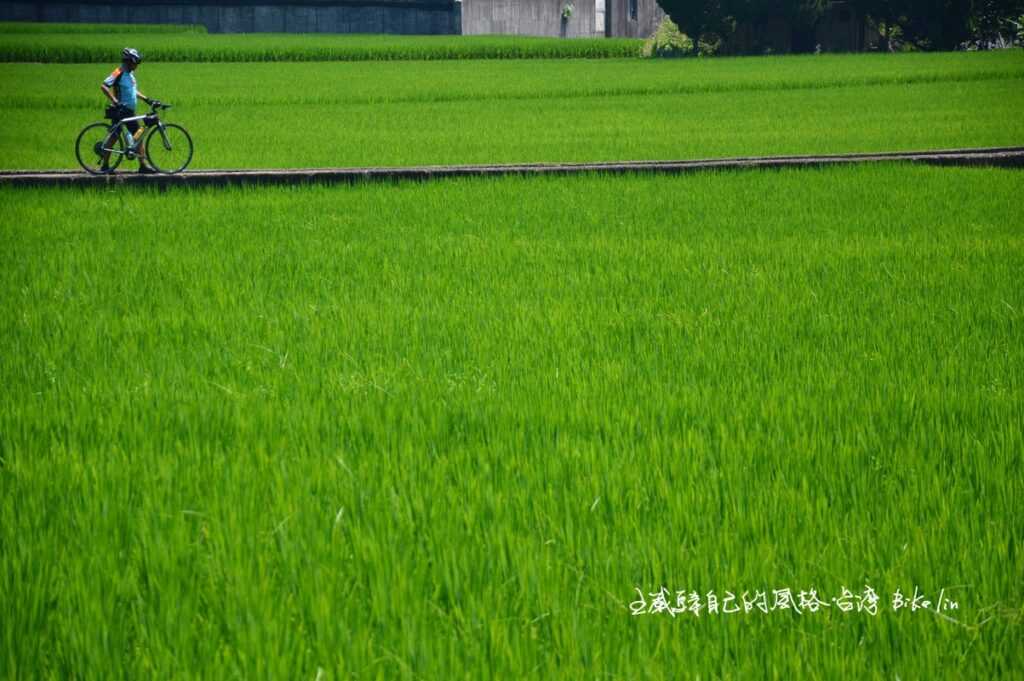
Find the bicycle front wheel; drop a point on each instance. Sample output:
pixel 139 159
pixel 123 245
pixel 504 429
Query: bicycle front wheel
pixel 169 148
pixel 99 149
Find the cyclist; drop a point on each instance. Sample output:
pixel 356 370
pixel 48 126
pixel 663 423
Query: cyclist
pixel 119 87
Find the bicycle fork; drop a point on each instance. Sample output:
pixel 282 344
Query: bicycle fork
pixel 163 136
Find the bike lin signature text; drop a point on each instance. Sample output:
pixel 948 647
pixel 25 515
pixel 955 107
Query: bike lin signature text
pixel 805 602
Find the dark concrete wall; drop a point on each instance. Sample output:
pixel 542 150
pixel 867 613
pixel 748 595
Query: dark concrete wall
pixel 386 16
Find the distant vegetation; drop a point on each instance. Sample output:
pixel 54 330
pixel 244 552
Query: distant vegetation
pixel 91 46
pixel 668 41
pixel 900 24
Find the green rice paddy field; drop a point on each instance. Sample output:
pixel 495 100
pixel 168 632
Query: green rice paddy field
pixel 470 429
pixel 446 430
pixel 413 113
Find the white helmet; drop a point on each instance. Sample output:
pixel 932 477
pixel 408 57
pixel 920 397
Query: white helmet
pixel 131 56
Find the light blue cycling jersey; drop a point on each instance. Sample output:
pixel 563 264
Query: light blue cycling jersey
pixel 123 83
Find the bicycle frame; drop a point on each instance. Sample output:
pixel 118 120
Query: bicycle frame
pixel 101 147
pixel 118 129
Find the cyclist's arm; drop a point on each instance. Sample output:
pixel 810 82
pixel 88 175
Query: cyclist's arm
pixel 109 93
pixel 144 98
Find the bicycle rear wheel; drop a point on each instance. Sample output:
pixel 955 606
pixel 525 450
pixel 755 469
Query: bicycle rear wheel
pixel 99 149
pixel 169 148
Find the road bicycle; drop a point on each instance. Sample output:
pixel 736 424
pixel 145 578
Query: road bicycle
pixel 101 146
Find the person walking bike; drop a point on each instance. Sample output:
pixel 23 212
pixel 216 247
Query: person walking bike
pixel 121 89
pixel 161 147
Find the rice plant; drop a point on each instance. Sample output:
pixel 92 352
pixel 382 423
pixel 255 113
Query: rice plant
pixel 292 47
pixel 247 84
pixel 277 116
pixel 449 430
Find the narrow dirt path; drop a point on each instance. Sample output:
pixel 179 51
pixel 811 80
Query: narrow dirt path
pixel 1009 157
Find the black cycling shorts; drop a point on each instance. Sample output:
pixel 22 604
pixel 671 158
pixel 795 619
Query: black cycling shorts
pixel 132 126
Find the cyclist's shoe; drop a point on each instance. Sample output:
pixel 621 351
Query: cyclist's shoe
pixel 146 170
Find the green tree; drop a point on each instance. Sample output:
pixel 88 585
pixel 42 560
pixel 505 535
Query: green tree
pixel 927 24
pixel 700 17
pixel 804 12
pixel 801 15
pixel 994 20
pixel 889 16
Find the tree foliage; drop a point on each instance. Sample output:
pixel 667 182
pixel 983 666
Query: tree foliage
pixel 698 17
pixel 925 24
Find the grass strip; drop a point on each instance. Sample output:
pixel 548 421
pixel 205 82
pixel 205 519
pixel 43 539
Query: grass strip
pixel 44 86
pixel 292 47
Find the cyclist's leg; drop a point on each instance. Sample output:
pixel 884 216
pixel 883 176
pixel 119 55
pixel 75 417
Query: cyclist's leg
pixel 140 149
pixel 132 127
pixel 108 144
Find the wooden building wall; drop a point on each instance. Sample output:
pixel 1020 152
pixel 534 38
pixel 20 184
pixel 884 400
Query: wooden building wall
pixel 632 18
pixel 528 17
